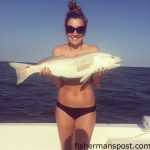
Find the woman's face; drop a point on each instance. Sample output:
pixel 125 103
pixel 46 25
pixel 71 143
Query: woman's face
pixel 75 37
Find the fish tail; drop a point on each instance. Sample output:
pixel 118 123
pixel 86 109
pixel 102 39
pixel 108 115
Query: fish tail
pixel 23 71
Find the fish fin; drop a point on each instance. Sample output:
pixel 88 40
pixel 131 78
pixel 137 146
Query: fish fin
pixel 23 71
pixel 85 78
pixel 44 60
pixel 51 58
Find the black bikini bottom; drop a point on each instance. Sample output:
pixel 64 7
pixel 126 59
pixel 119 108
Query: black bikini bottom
pixel 76 112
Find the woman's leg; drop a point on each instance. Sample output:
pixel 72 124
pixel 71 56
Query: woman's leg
pixel 66 125
pixel 84 126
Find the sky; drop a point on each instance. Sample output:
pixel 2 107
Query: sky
pixel 29 30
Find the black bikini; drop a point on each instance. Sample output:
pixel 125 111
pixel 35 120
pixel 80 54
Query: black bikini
pixel 76 112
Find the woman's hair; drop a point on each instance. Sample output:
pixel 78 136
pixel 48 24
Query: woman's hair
pixel 75 11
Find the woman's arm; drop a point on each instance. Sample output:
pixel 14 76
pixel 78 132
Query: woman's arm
pixel 97 76
pixel 56 80
pixel 96 79
pixel 47 72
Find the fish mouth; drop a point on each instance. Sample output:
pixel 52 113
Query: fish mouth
pixel 117 59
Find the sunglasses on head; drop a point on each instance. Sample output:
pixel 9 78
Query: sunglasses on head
pixel 79 30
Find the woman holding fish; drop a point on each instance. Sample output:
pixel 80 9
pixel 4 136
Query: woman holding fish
pixel 75 109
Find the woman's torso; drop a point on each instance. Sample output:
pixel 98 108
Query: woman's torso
pixel 72 93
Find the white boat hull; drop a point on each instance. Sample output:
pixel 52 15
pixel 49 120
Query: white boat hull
pixel 44 136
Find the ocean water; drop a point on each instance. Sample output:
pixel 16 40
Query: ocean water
pixel 123 97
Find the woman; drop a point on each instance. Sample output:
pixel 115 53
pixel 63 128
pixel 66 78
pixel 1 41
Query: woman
pixel 75 110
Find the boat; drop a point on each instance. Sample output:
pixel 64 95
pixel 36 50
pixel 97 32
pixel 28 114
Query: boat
pixel 44 136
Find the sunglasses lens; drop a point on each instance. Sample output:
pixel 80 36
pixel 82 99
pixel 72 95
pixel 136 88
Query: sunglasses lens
pixel 70 29
pixel 79 30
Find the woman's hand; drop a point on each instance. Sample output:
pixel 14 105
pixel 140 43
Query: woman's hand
pixel 96 77
pixel 45 72
pixel 56 80
pixel 101 71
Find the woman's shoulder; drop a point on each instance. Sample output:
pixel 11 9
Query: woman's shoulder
pixel 92 47
pixel 58 50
